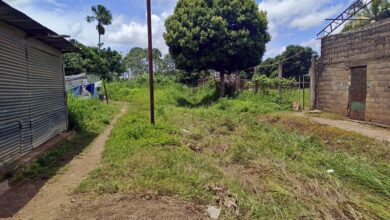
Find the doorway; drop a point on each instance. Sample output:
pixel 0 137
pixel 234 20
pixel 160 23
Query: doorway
pixel 358 93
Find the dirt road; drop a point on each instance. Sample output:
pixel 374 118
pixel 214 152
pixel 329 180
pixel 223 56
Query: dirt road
pixel 371 131
pixel 56 193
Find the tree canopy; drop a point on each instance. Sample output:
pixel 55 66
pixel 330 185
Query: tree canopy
pixel 103 17
pixel 105 63
pixel 137 60
pixel 379 9
pixel 221 35
pixel 296 62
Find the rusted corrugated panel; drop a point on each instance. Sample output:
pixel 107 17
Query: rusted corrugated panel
pixel 14 99
pixel 47 101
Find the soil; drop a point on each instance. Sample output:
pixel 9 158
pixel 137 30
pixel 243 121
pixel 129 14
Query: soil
pixel 127 207
pixel 381 134
pixel 55 194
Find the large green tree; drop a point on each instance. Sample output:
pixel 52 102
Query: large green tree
pixel 378 9
pixel 103 17
pixel 221 35
pixel 296 62
pixel 91 60
pixel 137 60
pixel 269 67
pixel 168 66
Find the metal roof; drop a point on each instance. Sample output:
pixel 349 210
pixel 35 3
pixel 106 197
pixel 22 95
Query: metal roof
pixel 34 29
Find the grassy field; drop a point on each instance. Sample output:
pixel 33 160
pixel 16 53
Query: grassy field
pixel 87 118
pixel 247 151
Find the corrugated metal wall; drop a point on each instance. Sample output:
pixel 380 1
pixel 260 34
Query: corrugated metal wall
pixel 47 101
pixel 32 97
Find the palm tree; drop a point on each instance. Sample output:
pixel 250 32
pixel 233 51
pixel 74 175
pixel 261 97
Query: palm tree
pixel 379 9
pixel 103 16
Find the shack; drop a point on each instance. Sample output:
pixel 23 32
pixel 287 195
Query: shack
pixel 32 89
pixel 353 75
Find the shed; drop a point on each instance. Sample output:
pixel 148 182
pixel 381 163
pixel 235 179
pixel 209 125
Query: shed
pixel 32 89
pixel 354 74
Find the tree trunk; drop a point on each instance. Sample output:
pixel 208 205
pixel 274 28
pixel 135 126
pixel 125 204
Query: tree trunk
pixel 99 45
pixel 222 85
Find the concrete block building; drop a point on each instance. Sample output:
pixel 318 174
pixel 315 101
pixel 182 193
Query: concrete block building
pixel 353 75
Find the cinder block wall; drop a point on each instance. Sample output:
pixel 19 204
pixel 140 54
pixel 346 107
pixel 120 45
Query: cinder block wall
pixel 369 47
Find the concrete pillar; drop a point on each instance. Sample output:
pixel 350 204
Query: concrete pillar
pixel 280 70
pixel 280 74
pixel 313 83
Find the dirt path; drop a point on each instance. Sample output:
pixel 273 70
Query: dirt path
pixel 55 194
pixel 371 131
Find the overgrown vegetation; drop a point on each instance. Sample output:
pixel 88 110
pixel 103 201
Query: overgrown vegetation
pixel 87 118
pixel 272 165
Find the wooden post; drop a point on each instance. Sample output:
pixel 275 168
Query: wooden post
pixel 303 92
pixel 150 51
pixel 280 74
pixel 313 83
pixel 222 85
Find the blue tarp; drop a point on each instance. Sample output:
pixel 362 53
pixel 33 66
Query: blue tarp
pixel 91 88
pixel 76 91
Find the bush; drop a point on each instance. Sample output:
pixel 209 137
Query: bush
pixel 88 115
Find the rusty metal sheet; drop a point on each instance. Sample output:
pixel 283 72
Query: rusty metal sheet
pixel 358 93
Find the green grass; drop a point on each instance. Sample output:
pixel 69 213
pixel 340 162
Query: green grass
pixel 87 118
pixel 275 167
pixel 297 96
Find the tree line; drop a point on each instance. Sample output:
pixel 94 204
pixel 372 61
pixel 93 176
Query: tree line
pixel 221 36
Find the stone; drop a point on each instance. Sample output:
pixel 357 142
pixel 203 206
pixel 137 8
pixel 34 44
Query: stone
pixel 214 212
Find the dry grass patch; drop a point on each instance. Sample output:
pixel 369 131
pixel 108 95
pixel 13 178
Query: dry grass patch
pixel 335 138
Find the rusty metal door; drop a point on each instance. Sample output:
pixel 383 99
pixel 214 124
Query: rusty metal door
pixel 358 93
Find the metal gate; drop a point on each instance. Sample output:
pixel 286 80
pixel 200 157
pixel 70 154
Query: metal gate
pixel 358 93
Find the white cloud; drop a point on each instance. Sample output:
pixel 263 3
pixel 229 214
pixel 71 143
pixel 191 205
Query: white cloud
pixel 273 51
pixel 135 33
pixel 301 14
pixel 18 3
pixel 121 34
pixel 314 19
pixel 313 43
pixel 285 17
pixel 59 19
pixel 289 16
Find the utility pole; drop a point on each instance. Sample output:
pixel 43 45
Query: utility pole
pixel 150 50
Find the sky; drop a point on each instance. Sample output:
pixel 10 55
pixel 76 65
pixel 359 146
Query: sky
pixel 290 21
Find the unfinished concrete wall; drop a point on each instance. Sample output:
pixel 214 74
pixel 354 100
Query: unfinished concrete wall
pixel 368 47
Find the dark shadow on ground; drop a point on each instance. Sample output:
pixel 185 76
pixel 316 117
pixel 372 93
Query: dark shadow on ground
pixel 27 181
pixel 207 100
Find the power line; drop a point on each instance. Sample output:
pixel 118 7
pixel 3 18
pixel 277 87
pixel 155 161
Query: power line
pixel 277 63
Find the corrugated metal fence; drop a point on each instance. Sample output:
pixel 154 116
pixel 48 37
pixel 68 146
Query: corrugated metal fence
pixel 32 97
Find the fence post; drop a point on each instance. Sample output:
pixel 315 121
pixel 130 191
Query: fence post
pixel 303 92
pixel 280 74
pixel 313 83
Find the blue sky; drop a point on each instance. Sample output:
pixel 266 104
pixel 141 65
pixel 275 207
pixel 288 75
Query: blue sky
pixel 290 21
